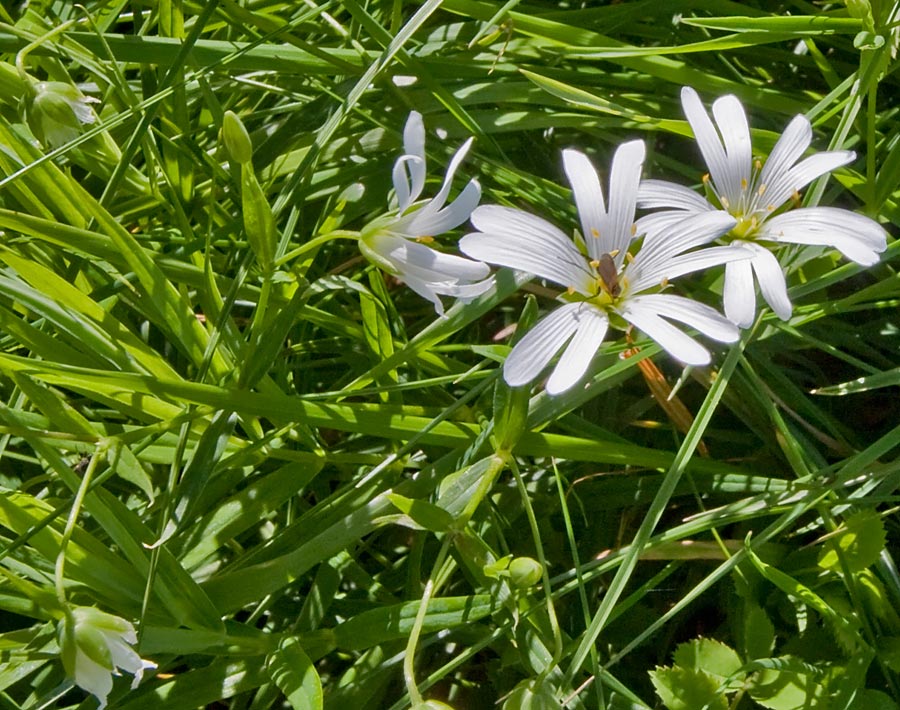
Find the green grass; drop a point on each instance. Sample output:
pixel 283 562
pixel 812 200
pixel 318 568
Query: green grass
pixel 303 487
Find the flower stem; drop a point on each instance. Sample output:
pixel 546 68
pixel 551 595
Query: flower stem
pixel 315 243
pixel 99 453
pixel 409 676
pixel 536 534
pixel 24 52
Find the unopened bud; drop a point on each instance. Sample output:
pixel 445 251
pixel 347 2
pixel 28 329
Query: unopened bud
pixel 236 138
pixel 524 572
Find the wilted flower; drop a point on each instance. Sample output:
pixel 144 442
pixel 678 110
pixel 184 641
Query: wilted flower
pixel 95 646
pixel 610 280
pixel 57 111
pixel 757 194
pixel 396 242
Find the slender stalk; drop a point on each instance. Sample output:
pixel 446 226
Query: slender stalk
pixel 99 453
pixel 409 677
pixel 536 534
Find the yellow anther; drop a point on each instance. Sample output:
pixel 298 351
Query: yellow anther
pixel 595 232
pixel 743 183
pixel 614 253
pixel 633 229
pixel 770 208
pixel 724 201
pixel 664 283
pixel 629 257
pixel 762 190
pixel 570 290
pixel 425 240
pixel 757 164
pixel 706 177
pixel 595 263
pixel 796 197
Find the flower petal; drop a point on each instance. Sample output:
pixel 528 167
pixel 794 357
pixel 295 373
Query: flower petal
pixel 414 144
pixel 401 175
pixel 437 202
pixel 663 194
pixel 707 137
pixel 803 173
pixel 770 276
pixel 787 151
pixel 426 290
pixel 425 222
pixel 589 200
pixel 513 238
pixel 856 236
pixel 732 123
pixel 409 170
pixel 739 293
pixel 624 178
pixel 424 262
pixel 686 264
pixel 652 261
pixel 93 678
pixel 538 346
pixel 580 350
pixel 677 343
pixel 697 315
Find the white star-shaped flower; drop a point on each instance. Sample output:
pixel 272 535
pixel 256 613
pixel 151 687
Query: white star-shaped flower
pixel 756 194
pixel 95 646
pixel 611 277
pixel 396 242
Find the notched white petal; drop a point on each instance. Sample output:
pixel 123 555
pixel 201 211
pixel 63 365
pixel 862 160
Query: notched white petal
pixel 706 135
pixel 787 151
pixel 580 351
pixel 856 236
pixel 697 315
pixel 588 198
pixel 731 121
pixel 653 194
pixel 518 240
pixel 624 179
pixel 677 343
pixel 534 351
pixel 739 293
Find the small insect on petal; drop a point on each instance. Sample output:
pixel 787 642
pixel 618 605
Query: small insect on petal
pixel 609 275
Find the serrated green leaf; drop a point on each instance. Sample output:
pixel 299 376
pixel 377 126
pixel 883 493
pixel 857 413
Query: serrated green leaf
pixel 685 689
pixel 294 674
pixel 713 657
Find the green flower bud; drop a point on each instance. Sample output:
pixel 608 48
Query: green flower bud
pixel 94 646
pixel 57 112
pixel 524 572
pixel 237 140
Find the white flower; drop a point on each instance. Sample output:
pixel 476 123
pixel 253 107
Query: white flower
pixel 395 242
pixel 609 280
pixel 755 194
pixel 95 646
pixel 58 110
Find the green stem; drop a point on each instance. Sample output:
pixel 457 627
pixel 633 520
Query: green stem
pixel 99 453
pixel 409 677
pixel 536 534
pixel 20 57
pixel 315 244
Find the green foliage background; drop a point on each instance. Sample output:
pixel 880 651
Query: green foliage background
pixel 299 487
